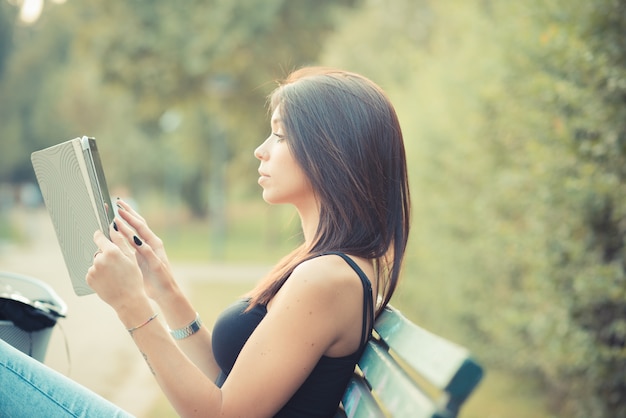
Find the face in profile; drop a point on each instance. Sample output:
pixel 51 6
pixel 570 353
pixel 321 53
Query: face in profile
pixel 281 177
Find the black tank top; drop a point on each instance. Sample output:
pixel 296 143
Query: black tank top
pixel 321 392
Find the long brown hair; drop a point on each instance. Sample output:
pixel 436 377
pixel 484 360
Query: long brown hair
pixel 344 132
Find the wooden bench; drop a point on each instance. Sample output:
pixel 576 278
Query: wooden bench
pixel 406 371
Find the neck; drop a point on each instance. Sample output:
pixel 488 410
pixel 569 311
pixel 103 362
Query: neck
pixel 309 220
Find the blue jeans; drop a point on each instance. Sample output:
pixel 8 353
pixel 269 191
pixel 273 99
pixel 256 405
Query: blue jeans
pixel 30 389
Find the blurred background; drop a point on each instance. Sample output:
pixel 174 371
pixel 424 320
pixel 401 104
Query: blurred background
pixel 514 119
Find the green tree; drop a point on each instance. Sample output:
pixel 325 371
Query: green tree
pixel 29 87
pixel 514 119
pixel 208 65
pixel 6 33
pixel 559 131
pixel 179 87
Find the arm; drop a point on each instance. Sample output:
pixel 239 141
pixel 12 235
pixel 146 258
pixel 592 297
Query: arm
pixel 300 327
pixel 116 277
pixel 161 287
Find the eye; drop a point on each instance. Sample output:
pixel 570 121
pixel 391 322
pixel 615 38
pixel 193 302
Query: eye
pixel 279 137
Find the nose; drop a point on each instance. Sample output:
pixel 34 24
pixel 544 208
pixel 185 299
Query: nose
pixel 260 152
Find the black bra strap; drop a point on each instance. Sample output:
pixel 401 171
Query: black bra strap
pixel 368 309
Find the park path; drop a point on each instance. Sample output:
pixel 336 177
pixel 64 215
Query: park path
pixel 102 356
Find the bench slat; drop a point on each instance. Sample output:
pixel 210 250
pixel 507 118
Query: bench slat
pixel 446 365
pixel 358 401
pixel 399 394
pixel 398 359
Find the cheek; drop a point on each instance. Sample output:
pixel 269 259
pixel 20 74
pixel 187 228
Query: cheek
pixel 300 184
pixel 288 186
pixel 296 175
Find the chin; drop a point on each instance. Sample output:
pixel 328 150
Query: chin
pixel 268 198
pixel 272 200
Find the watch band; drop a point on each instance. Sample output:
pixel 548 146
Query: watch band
pixel 189 330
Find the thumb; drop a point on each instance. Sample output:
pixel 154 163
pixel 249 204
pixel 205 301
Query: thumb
pixel 102 241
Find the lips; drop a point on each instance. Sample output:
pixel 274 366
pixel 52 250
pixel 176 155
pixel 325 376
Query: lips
pixel 262 176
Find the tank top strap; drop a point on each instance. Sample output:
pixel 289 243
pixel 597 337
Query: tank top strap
pixel 368 308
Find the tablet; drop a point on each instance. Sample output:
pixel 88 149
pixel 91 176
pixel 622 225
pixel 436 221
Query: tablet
pixel 75 193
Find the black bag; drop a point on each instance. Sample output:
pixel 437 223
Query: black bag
pixel 26 315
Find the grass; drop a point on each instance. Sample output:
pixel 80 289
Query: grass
pixel 12 228
pixel 503 395
pixel 254 233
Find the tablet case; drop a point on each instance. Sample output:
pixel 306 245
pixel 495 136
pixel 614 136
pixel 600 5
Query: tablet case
pixel 75 193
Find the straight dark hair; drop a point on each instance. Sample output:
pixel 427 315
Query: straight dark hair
pixel 344 133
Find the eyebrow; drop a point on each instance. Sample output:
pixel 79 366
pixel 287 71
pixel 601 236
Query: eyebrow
pixel 275 121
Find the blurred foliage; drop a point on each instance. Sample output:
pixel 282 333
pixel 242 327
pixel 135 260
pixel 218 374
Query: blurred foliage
pixel 6 19
pixel 161 85
pixel 515 121
pixel 515 126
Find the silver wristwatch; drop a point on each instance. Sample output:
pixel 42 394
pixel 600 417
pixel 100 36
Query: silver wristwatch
pixel 189 330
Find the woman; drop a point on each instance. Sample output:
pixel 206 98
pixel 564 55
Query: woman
pixel 288 348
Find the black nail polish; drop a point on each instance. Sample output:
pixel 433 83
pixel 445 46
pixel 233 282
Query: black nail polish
pixel 137 240
pixel 115 226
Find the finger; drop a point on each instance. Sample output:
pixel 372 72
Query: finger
pixel 121 227
pixel 129 209
pixel 122 235
pixel 144 250
pixel 102 241
pixel 139 224
pixel 132 241
pixel 116 243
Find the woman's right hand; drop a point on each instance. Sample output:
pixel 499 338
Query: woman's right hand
pixel 151 256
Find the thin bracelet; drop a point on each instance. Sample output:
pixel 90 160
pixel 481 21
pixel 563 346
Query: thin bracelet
pixel 189 330
pixel 133 329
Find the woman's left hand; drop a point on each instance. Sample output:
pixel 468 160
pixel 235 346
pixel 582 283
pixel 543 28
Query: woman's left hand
pixel 151 257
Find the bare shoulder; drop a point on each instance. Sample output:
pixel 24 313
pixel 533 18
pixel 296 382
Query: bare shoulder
pixel 326 294
pixel 332 270
pixel 328 277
